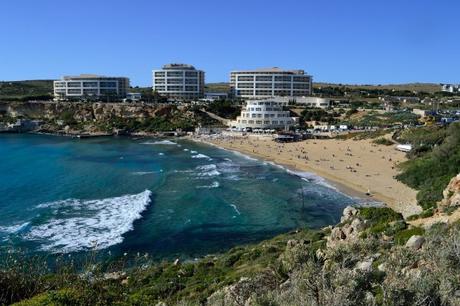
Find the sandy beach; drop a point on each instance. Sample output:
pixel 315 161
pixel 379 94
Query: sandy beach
pixel 354 166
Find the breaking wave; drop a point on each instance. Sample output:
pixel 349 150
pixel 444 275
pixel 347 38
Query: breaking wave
pixel 88 224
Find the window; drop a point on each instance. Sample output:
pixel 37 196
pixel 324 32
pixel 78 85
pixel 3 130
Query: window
pixel 89 84
pixel 264 78
pixel 108 84
pixel 74 84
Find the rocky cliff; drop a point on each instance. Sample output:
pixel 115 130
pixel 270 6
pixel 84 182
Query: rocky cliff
pixel 451 194
pixel 106 117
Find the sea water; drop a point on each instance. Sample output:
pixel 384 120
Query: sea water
pixel 168 198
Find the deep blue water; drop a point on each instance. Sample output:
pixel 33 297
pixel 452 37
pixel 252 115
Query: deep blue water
pixel 167 198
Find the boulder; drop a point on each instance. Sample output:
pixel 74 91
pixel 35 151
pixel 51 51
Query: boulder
pixel 348 213
pixel 365 266
pixel 415 242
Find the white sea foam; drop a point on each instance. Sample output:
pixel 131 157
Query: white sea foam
pixel 244 155
pixel 143 172
pixel 207 170
pixel 13 228
pixel 311 177
pixel 161 154
pixel 160 142
pixel 89 224
pixel 193 152
pixel 186 150
pixel 235 209
pixel 201 156
pixel 214 184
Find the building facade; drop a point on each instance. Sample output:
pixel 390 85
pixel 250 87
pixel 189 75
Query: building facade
pixel 179 81
pixel 92 87
pixel 271 82
pixel 264 114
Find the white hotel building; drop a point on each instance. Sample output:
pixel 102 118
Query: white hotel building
pixel 90 86
pixel 270 82
pixel 264 114
pixel 179 81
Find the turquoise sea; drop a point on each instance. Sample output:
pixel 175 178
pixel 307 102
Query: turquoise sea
pixel 170 198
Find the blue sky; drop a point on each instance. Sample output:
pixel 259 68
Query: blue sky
pixel 354 41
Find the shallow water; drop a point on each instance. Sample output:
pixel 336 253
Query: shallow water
pixel 165 197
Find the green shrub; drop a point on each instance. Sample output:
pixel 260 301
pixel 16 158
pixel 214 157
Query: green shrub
pixel 404 235
pixel 383 141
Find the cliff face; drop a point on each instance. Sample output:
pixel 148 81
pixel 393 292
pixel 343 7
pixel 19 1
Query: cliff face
pixel 106 117
pixel 82 111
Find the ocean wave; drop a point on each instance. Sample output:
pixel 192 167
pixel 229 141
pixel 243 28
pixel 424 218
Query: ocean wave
pixel 229 167
pixel 142 172
pixel 243 155
pixel 235 208
pixel 12 229
pixel 310 177
pixel 90 224
pixel 207 170
pixel 160 142
pixel 161 154
pixel 201 156
pixel 214 184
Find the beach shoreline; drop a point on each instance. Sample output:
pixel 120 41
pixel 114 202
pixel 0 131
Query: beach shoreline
pixel 398 197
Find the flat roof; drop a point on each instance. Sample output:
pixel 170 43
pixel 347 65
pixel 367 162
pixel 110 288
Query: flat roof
pixel 91 76
pixel 272 69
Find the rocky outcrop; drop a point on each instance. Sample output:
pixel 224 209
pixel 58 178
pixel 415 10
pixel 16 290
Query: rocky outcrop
pixel 349 229
pixel 83 111
pixel 451 194
pixel 79 117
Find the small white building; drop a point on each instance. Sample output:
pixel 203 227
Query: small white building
pixel 264 114
pixel 133 97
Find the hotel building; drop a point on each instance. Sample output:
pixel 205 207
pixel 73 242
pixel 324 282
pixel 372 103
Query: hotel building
pixel 90 86
pixel 271 82
pixel 264 114
pixel 179 81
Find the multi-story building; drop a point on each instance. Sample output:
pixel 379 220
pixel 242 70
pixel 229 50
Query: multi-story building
pixel 91 87
pixel 264 114
pixel 179 81
pixel 271 82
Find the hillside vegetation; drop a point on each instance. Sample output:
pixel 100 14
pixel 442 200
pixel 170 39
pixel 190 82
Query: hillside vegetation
pixel 372 258
pixel 26 90
pixel 434 161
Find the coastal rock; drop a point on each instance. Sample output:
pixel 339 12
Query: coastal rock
pixel 350 228
pixel 348 213
pixel 415 242
pixel 365 266
pixel 451 193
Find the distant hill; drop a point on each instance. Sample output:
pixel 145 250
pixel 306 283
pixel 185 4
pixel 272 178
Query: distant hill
pixel 29 89
pixel 217 87
pixel 43 89
pixel 419 87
